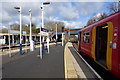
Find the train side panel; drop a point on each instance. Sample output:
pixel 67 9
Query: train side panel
pixel 118 44
pixel 79 41
pixel 119 47
pixel 86 41
pixel 115 46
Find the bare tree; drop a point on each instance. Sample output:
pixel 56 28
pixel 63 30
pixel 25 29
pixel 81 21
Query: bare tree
pixel 4 30
pixel 102 16
pixel 96 18
pixel 25 28
pixel 52 26
pixel 114 7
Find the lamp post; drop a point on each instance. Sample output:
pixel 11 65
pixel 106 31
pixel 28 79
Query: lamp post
pixel 62 36
pixel 9 44
pixel 42 51
pixel 56 35
pixel 31 42
pixel 69 34
pixel 20 10
pixel 26 40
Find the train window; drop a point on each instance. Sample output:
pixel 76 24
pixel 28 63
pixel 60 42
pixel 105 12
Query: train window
pixel 86 37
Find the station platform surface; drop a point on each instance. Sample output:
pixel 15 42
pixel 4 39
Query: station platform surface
pixel 77 67
pixel 62 62
pixel 31 66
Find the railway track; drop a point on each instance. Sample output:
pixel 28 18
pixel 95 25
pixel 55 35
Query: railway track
pixel 105 75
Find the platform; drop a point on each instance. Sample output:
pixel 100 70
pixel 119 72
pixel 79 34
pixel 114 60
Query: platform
pixel 77 67
pixel 31 66
pixel 62 62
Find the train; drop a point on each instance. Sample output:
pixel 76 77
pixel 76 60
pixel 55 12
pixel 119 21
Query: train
pixel 101 42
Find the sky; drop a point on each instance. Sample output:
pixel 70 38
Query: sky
pixel 73 14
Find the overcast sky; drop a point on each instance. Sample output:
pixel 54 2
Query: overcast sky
pixel 73 14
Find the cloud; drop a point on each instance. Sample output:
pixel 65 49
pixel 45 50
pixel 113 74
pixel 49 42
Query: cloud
pixel 58 0
pixel 88 8
pixel 0 17
pixel 11 15
pixel 53 10
pixel 74 24
pixel 0 25
pixel 67 12
pixel 26 19
pixel 5 17
pixel 62 10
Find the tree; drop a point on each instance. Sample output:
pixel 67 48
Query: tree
pixel 4 30
pixel 52 26
pixel 114 7
pixel 25 28
pixel 15 27
pixel 96 18
pixel 38 30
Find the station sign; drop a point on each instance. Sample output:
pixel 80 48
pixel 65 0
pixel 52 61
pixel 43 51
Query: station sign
pixel 44 30
pixel 43 33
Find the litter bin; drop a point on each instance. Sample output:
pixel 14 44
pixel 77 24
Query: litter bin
pixel 31 45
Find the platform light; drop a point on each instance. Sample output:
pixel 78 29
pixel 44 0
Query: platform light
pixel 17 7
pixel 20 10
pixel 46 3
pixel 31 41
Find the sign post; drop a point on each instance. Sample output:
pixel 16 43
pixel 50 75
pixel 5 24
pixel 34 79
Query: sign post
pixel 43 32
pixel 26 42
pixel 62 36
pixel 56 35
pixel 48 40
pixel 40 54
pixel 9 47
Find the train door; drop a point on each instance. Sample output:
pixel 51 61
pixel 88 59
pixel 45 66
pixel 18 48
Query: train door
pixel 101 44
pixel 102 39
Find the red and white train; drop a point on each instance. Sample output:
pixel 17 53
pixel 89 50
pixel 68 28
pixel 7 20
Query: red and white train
pixel 101 42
